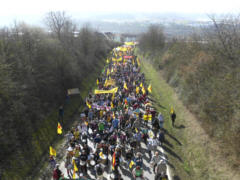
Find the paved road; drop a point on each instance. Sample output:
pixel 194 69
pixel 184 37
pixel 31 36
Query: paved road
pixel 126 174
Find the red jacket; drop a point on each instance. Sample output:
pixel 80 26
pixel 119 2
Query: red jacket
pixel 56 174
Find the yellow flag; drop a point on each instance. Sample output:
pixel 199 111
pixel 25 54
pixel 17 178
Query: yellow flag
pixel 52 151
pixel 138 62
pixel 143 90
pixel 74 165
pixel 137 90
pixel 97 81
pixel 150 88
pixel 74 174
pixel 113 115
pixel 136 130
pixel 88 105
pixel 113 96
pixel 171 111
pixel 107 61
pixel 141 85
pixel 125 86
pixel 101 154
pixel 131 164
pixel 112 106
pixel 59 129
pixel 109 82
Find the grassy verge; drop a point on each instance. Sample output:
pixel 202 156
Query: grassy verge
pixel 162 95
pixel 189 149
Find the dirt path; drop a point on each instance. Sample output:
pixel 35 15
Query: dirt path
pixel 201 158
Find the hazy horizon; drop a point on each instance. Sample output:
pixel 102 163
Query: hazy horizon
pixel 33 12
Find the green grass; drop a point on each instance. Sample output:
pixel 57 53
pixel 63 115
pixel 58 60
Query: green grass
pixel 163 94
pixel 189 151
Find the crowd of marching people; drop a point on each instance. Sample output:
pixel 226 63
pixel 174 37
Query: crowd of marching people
pixel 115 126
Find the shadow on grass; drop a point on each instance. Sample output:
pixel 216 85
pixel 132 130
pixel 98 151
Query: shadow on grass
pixel 171 136
pixel 171 165
pixel 157 103
pixel 168 150
pixel 176 178
pixel 180 126
pixel 168 143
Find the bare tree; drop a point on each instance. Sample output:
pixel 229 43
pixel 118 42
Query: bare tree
pixel 56 22
pixel 224 36
pixel 153 40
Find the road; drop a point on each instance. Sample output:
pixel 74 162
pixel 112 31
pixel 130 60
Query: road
pixel 126 174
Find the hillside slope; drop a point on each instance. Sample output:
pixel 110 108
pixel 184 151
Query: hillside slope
pixel 193 154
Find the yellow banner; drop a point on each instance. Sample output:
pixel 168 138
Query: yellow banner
pixel 117 59
pixel 123 49
pixel 114 90
pixel 129 43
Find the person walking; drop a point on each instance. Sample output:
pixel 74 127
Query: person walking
pixel 155 159
pixel 173 117
pixel 57 173
pixel 161 137
pixel 161 120
pixel 60 114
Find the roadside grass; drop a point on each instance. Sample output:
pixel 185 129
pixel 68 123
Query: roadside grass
pixel 190 151
pixel 162 94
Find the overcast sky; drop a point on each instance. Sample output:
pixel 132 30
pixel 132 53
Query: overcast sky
pixel 30 10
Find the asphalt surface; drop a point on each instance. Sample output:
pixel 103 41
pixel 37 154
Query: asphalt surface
pixel 125 172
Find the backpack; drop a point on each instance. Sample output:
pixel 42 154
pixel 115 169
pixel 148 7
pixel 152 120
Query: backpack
pixel 99 170
pixel 161 137
pixel 139 161
pixel 138 172
pixel 133 143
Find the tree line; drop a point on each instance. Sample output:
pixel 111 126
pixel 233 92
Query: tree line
pixel 37 66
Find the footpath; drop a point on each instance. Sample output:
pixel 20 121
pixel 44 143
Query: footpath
pixel 119 134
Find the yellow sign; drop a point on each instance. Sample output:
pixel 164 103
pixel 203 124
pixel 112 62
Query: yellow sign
pixel 114 90
pixel 129 43
pixel 117 59
pixel 123 49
